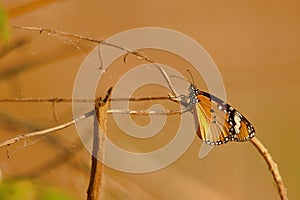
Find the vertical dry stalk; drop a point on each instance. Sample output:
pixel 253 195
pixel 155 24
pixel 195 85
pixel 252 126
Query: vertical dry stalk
pixel 272 166
pixel 100 123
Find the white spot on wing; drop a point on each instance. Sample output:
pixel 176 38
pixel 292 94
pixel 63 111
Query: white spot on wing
pixel 219 107
pixel 237 120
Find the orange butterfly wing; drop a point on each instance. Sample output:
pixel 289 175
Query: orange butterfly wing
pixel 219 122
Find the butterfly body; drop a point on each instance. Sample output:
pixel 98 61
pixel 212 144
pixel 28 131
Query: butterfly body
pixel 217 121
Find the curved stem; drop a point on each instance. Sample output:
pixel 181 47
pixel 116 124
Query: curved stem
pixel 272 167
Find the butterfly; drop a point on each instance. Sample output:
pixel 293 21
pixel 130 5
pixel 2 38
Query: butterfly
pixel 217 121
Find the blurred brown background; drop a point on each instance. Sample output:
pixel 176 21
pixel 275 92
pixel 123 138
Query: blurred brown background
pixel 255 45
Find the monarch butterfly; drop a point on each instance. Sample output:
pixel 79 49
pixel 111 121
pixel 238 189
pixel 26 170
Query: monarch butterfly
pixel 217 121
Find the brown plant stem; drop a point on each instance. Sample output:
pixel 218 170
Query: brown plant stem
pixel 272 167
pixel 68 100
pixel 100 123
pixel 80 118
pixel 45 131
pixel 64 157
pixel 113 111
pixel 260 147
pixel 137 54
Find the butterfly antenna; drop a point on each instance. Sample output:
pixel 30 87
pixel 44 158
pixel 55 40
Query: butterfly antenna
pixel 100 57
pixel 190 73
pixel 174 76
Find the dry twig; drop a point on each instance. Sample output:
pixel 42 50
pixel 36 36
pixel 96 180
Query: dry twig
pixel 46 131
pixel 82 117
pixel 263 151
pixel 69 100
pixel 272 166
pixel 137 54
pixel 100 123
pixel 114 111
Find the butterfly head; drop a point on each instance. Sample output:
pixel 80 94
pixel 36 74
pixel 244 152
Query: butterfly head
pixel 193 92
pixel 193 88
pixel 189 100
